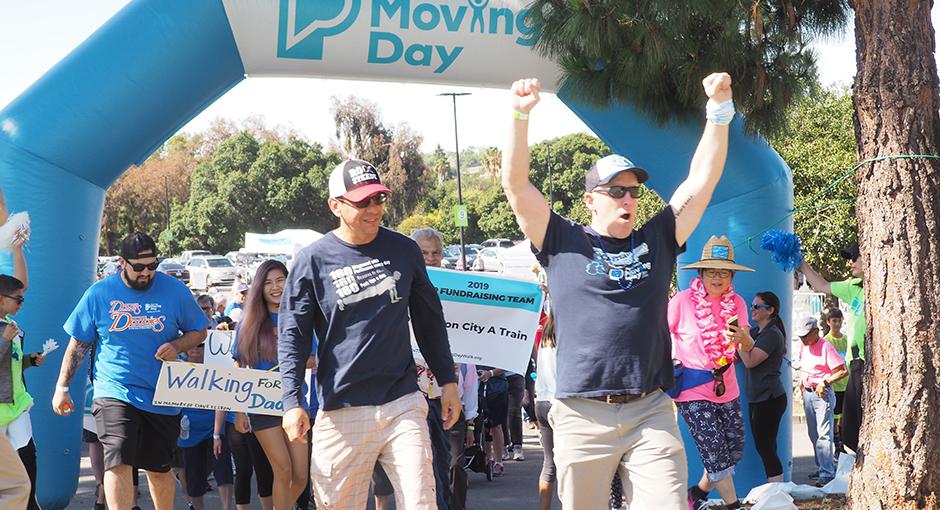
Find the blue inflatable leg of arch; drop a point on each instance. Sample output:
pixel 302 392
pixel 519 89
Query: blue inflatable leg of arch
pixel 157 64
pixel 106 106
pixel 756 188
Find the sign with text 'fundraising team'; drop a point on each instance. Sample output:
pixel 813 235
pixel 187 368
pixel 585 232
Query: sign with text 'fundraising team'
pixel 491 320
pixel 202 386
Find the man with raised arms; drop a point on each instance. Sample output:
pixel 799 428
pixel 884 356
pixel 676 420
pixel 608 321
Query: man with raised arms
pixel 610 287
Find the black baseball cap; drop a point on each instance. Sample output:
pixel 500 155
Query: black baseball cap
pixel 355 180
pixel 136 244
pixel 850 252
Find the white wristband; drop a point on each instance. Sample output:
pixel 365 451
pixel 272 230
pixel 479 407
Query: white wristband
pixel 63 389
pixel 520 115
pixel 719 113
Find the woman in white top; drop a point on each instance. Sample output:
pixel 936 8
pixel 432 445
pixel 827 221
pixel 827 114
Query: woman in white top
pixel 544 393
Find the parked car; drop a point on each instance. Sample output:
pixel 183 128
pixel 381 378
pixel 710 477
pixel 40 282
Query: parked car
pixel 207 271
pixel 108 269
pixel 187 255
pixel 488 260
pixel 452 256
pixel 174 269
pixel 498 243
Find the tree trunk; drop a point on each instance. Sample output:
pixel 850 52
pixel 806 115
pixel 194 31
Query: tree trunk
pixel 896 112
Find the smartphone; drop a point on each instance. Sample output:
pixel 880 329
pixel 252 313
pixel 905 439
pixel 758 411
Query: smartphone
pixel 733 321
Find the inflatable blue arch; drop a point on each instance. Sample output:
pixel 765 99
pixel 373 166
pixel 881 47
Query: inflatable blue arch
pixel 157 63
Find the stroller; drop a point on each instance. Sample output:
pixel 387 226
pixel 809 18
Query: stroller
pixel 475 456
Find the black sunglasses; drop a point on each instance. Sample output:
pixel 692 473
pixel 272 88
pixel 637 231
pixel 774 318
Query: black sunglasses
pixel 619 191
pixel 140 267
pixel 377 199
pixel 719 386
pixel 758 306
pixel 19 299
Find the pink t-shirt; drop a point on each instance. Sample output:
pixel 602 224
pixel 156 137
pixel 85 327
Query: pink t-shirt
pixel 688 348
pixel 817 361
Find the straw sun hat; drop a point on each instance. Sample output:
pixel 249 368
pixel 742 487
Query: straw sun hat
pixel 718 253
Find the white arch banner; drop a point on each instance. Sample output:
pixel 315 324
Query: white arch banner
pixel 460 42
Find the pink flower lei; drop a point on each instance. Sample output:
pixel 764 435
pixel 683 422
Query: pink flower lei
pixel 719 349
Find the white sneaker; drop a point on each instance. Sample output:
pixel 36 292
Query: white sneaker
pixel 517 453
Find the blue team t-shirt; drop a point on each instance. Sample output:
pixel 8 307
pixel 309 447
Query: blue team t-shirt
pixel 610 297
pixel 201 426
pixel 129 326
pixel 6 263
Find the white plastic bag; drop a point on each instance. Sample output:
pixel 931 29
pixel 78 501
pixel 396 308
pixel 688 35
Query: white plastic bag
pixel 778 500
pixel 840 484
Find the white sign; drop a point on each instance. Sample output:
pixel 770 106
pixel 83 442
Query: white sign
pixel 442 41
pixel 219 346
pixel 202 386
pixel 490 320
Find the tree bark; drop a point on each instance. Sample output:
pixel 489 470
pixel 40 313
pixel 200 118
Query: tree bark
pixel 896 112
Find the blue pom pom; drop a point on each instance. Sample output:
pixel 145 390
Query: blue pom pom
pixel 784 248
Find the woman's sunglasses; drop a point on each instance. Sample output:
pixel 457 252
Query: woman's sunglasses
pixel 758 306
pixel 377 199
pixel 137 267
pixel 619 191
pixel 719 386
pixel 19 299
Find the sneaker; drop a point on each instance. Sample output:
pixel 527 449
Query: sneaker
pixel 497 469
pixel 696 503
pixel 814 475
pixel 517 453
pixel 822 482
pixel 507 455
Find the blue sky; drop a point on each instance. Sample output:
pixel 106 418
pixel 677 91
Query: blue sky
pixel 35 35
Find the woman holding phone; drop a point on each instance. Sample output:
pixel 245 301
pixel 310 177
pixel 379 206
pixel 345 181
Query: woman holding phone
pixel 703 321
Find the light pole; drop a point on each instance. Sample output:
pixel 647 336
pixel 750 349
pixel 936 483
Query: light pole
pixel 551 191
pixel 169 233
pixel 453 96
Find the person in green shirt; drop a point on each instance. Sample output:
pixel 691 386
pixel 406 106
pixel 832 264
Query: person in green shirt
pixel 840 341
pixel 852 293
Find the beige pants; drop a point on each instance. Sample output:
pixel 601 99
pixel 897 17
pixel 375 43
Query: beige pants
pixel 14 482
pixel 640 439
pixel 347 443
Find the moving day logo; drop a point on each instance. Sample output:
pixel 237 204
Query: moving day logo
pixel 304 27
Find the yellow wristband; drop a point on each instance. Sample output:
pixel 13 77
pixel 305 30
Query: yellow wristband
pixel 520 115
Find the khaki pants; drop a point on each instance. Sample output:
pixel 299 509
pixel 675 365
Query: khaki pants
pixel 14 482
pixel 348 442
pixel 640 439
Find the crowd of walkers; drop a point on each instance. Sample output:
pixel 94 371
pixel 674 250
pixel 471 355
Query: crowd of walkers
pixel 377 420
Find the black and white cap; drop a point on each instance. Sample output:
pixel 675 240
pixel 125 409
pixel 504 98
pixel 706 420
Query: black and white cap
pixel 355 180
pixel 608 167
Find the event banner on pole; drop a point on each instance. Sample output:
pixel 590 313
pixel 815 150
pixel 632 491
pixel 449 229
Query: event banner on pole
pixel 491 320
pixel 202 386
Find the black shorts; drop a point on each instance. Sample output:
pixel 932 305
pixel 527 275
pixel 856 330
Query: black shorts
pixel 89 436
pixel 497 408
pixel 263 421
pixel 840 399
pixel 199 460
pixel 134 437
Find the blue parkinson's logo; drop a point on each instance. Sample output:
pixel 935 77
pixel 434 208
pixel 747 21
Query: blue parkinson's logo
pixel 303 25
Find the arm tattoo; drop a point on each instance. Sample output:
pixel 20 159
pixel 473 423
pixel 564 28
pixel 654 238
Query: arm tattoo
pixel 74 357
pixel 683 206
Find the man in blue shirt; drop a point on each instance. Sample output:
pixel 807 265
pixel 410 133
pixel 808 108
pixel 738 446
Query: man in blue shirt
pixel 609 284
pixel 138 318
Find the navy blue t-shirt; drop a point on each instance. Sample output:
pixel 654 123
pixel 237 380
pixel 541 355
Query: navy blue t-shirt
pixel 357 300
pixel 609 297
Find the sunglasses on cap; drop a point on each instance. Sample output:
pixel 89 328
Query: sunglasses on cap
pixel 618 191
pixel 377 199
pixel 138 267
pixel 19 299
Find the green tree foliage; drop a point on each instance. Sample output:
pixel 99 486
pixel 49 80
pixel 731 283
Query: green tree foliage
pixel 654 54
pixel 395 153
pixel 252 185
pixel 819 146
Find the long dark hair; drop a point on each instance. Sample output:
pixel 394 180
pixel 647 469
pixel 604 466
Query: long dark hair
pixel 548 331
pixel 771 299
pixel 257 333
